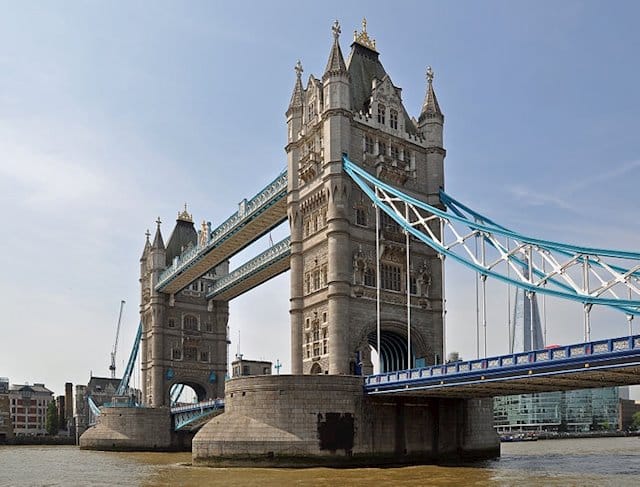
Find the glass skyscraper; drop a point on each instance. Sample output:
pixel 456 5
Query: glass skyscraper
pixel 581 410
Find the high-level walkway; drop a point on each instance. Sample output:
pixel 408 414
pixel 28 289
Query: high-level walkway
pixel 267 265
pixel 254 218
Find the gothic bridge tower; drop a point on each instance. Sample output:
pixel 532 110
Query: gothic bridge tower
pixel 184 339
pixel 355 108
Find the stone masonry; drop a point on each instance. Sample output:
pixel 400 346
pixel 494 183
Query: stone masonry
pixel 355 109
pixel 184 338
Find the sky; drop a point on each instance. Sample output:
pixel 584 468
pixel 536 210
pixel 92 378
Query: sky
pixel 115 113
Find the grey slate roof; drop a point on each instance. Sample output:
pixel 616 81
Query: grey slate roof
pixel 363 66
pixel 184 233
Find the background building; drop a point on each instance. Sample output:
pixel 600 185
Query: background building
pixel 29 405
pixel 6 426
pixel 564 411
pixel 242 367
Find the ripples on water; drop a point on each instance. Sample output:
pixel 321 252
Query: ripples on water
pixel 584 462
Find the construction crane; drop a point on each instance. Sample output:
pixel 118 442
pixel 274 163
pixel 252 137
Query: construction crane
pixel 112 367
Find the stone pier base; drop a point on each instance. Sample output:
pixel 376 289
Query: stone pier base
pixel 307 420
pixel 129 429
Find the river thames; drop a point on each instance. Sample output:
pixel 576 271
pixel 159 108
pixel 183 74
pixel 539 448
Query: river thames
pixel 575 462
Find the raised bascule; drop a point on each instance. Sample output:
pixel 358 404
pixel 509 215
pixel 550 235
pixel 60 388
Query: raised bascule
pixel 371 226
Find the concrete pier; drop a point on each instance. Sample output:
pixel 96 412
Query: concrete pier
pixel 305 420
pixel 129 429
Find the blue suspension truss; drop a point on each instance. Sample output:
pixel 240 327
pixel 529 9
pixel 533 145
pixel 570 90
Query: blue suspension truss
pixel 93 407
pixel 126 377
pixel 176 392
pixel 587 275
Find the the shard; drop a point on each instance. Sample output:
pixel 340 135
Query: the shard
pixel 526 331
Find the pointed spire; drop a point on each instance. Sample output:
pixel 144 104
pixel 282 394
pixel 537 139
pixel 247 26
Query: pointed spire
pixel 430 107
pixel 363 38
pixel 185 216
pixel 158 243
pixel 296 96
pixel 147 245
pixel 335 64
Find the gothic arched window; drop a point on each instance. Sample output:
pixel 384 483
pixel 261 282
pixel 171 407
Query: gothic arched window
pixel 381 113
pixel 189 322
pixel 393 119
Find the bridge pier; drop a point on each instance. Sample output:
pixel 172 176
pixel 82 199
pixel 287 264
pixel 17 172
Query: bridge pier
pixel 308 420
pixel 135 429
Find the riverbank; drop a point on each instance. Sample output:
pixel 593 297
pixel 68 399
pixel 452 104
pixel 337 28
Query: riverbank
pixel 39 440
pixel 546 435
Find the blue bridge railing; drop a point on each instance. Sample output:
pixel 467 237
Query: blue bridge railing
pixel 564 355
pixel 186 415
pixel 273 254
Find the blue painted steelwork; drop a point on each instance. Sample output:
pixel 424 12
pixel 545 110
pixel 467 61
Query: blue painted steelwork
pixel 249 211
pixel 581 357
pixel 176 392
pixel 126 377
pixel 93 407
pixel 567 250
pixel 557 282
pixel 265 260
pixel 185 415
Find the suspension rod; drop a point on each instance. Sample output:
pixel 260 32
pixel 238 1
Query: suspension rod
pixel 380 370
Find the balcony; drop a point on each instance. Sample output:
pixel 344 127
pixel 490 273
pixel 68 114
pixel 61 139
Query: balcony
pixel 309 166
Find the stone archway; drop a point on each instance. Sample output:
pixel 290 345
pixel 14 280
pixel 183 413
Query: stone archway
pixel 187 388
pixel 316 369
pixel 393 342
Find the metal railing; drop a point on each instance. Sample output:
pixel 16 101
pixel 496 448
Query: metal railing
pixel 558 355
pixel 262 261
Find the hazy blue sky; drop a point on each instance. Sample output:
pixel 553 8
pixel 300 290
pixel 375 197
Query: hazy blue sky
pixel 113 114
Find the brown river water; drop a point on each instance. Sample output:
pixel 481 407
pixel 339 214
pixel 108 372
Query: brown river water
pixel 581 462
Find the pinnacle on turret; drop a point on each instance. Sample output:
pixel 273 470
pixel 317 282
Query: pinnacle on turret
pixel 147 245
pixel 430 107
pixel 158 243
pixel 296 96
pixel 335 64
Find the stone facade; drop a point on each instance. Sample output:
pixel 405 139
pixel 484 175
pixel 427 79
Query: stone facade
pixel 29 405
pixel 355 109
pixel 327 420
pixel 184 338
pixel 243 367
pixel 6 426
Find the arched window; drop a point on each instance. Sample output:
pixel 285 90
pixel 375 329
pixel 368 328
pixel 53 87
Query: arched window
pixel 190 322
pixel 381 113
pixel 370 277
pixel 393 119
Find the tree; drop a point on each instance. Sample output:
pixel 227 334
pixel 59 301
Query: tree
pixel 52 419
pixel 636 421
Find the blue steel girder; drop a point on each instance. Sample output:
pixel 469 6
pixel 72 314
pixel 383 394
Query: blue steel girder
pixel 601 363
pixel 123 386
pixel 253 219
pixel 587 275
pixel 184 416
pixel 269 264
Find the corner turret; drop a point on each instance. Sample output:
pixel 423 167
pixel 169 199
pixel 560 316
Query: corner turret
pixel 157 253
pixel 431 118
pixel 336 79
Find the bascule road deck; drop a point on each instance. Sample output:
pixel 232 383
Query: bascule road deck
pixel 604 363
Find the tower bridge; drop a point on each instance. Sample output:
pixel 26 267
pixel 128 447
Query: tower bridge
pixel 371 228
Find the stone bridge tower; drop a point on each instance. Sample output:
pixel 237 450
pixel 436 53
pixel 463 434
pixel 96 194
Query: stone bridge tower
pixel 355 108
pixel 184 339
